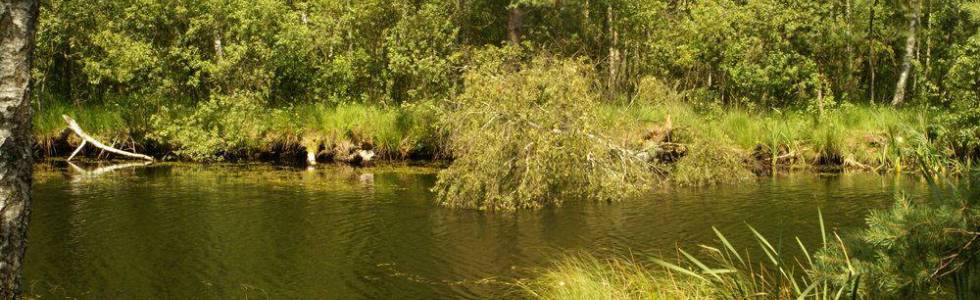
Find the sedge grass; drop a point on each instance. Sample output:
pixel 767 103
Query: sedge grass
pixel 718 272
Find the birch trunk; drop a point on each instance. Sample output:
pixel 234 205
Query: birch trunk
pixel 614 54
pixel 903 77
pixel 515 20
pixel 18 21
pixel 871 50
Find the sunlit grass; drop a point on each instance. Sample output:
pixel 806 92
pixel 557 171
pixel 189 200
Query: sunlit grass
pixel 393 132
pixel 586 277
pixel 719 271
pixel 106 123
pixel 723 145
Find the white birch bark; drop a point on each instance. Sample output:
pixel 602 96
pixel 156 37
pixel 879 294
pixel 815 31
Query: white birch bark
pixel 18 22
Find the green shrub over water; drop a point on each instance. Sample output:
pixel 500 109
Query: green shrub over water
pixel 213 129
pixel 531 138
pixel 917 249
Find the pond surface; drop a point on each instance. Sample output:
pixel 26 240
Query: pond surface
pixel 175 231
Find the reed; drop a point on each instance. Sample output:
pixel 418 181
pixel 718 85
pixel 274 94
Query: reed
pixel 716 272
pixel 584 276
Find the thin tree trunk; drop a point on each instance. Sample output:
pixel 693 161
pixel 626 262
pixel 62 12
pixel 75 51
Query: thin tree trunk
pixel 219 52
pixel 903 77
pixel 614 54
pixel 18 22
pixel 820 95
pixel 871 51
pixel 515 19
pixel 849 81
pixel 928 34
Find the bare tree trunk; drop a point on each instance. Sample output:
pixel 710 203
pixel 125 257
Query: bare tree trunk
pixel 18 22
pixel 909 53
pixel 928 34
pixel 871 51
pixel 849 81
pixel 219 52
pixel 515 19
pixel 614 54
pixel 820 95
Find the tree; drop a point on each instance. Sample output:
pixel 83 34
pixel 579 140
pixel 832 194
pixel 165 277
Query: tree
pixel 18 22
pixel 910 45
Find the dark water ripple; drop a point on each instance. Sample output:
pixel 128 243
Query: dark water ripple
pixel 261 232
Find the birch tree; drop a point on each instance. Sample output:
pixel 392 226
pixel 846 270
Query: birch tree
pixel 18 21
pixel 910 44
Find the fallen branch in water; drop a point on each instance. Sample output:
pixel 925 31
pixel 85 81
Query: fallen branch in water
pixel 855 164
pixel 88 139
pixel 84 174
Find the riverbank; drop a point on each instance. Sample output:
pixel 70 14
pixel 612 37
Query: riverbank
pixel 718 145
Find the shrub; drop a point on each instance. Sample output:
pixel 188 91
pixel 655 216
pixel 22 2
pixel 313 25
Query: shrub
pixel 531 138
pixel 213 128
pixel 914 248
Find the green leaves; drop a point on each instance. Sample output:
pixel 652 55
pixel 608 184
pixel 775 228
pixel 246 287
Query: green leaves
pixel 531 138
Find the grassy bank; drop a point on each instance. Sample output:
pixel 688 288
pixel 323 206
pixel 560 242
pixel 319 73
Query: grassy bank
pixel 722 145
pixel 259 133
pixel 732 144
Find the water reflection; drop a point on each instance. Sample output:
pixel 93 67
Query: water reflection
pixel 82 174
pixel 227 231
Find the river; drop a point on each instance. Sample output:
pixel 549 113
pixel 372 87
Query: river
pixel 257 231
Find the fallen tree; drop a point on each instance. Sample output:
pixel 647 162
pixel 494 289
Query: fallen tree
pixel 87 139
pixel 531 138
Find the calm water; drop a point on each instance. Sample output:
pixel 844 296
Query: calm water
pixel 254 231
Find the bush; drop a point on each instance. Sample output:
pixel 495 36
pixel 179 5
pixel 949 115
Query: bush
pixel 214 128
pixel 530 138
pixel 914 248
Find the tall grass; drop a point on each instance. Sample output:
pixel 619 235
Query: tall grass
pixel 587 277
pixel 394 132
pixel 721 272
pixel 732 274
pixel 724 146
pixel 728 145
pixel 106 123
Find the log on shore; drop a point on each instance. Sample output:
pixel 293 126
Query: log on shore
pixel 87 139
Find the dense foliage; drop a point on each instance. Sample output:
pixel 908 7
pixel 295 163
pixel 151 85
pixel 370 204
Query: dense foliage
pixel 763 53
pixel 915 248
pixel 528 138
